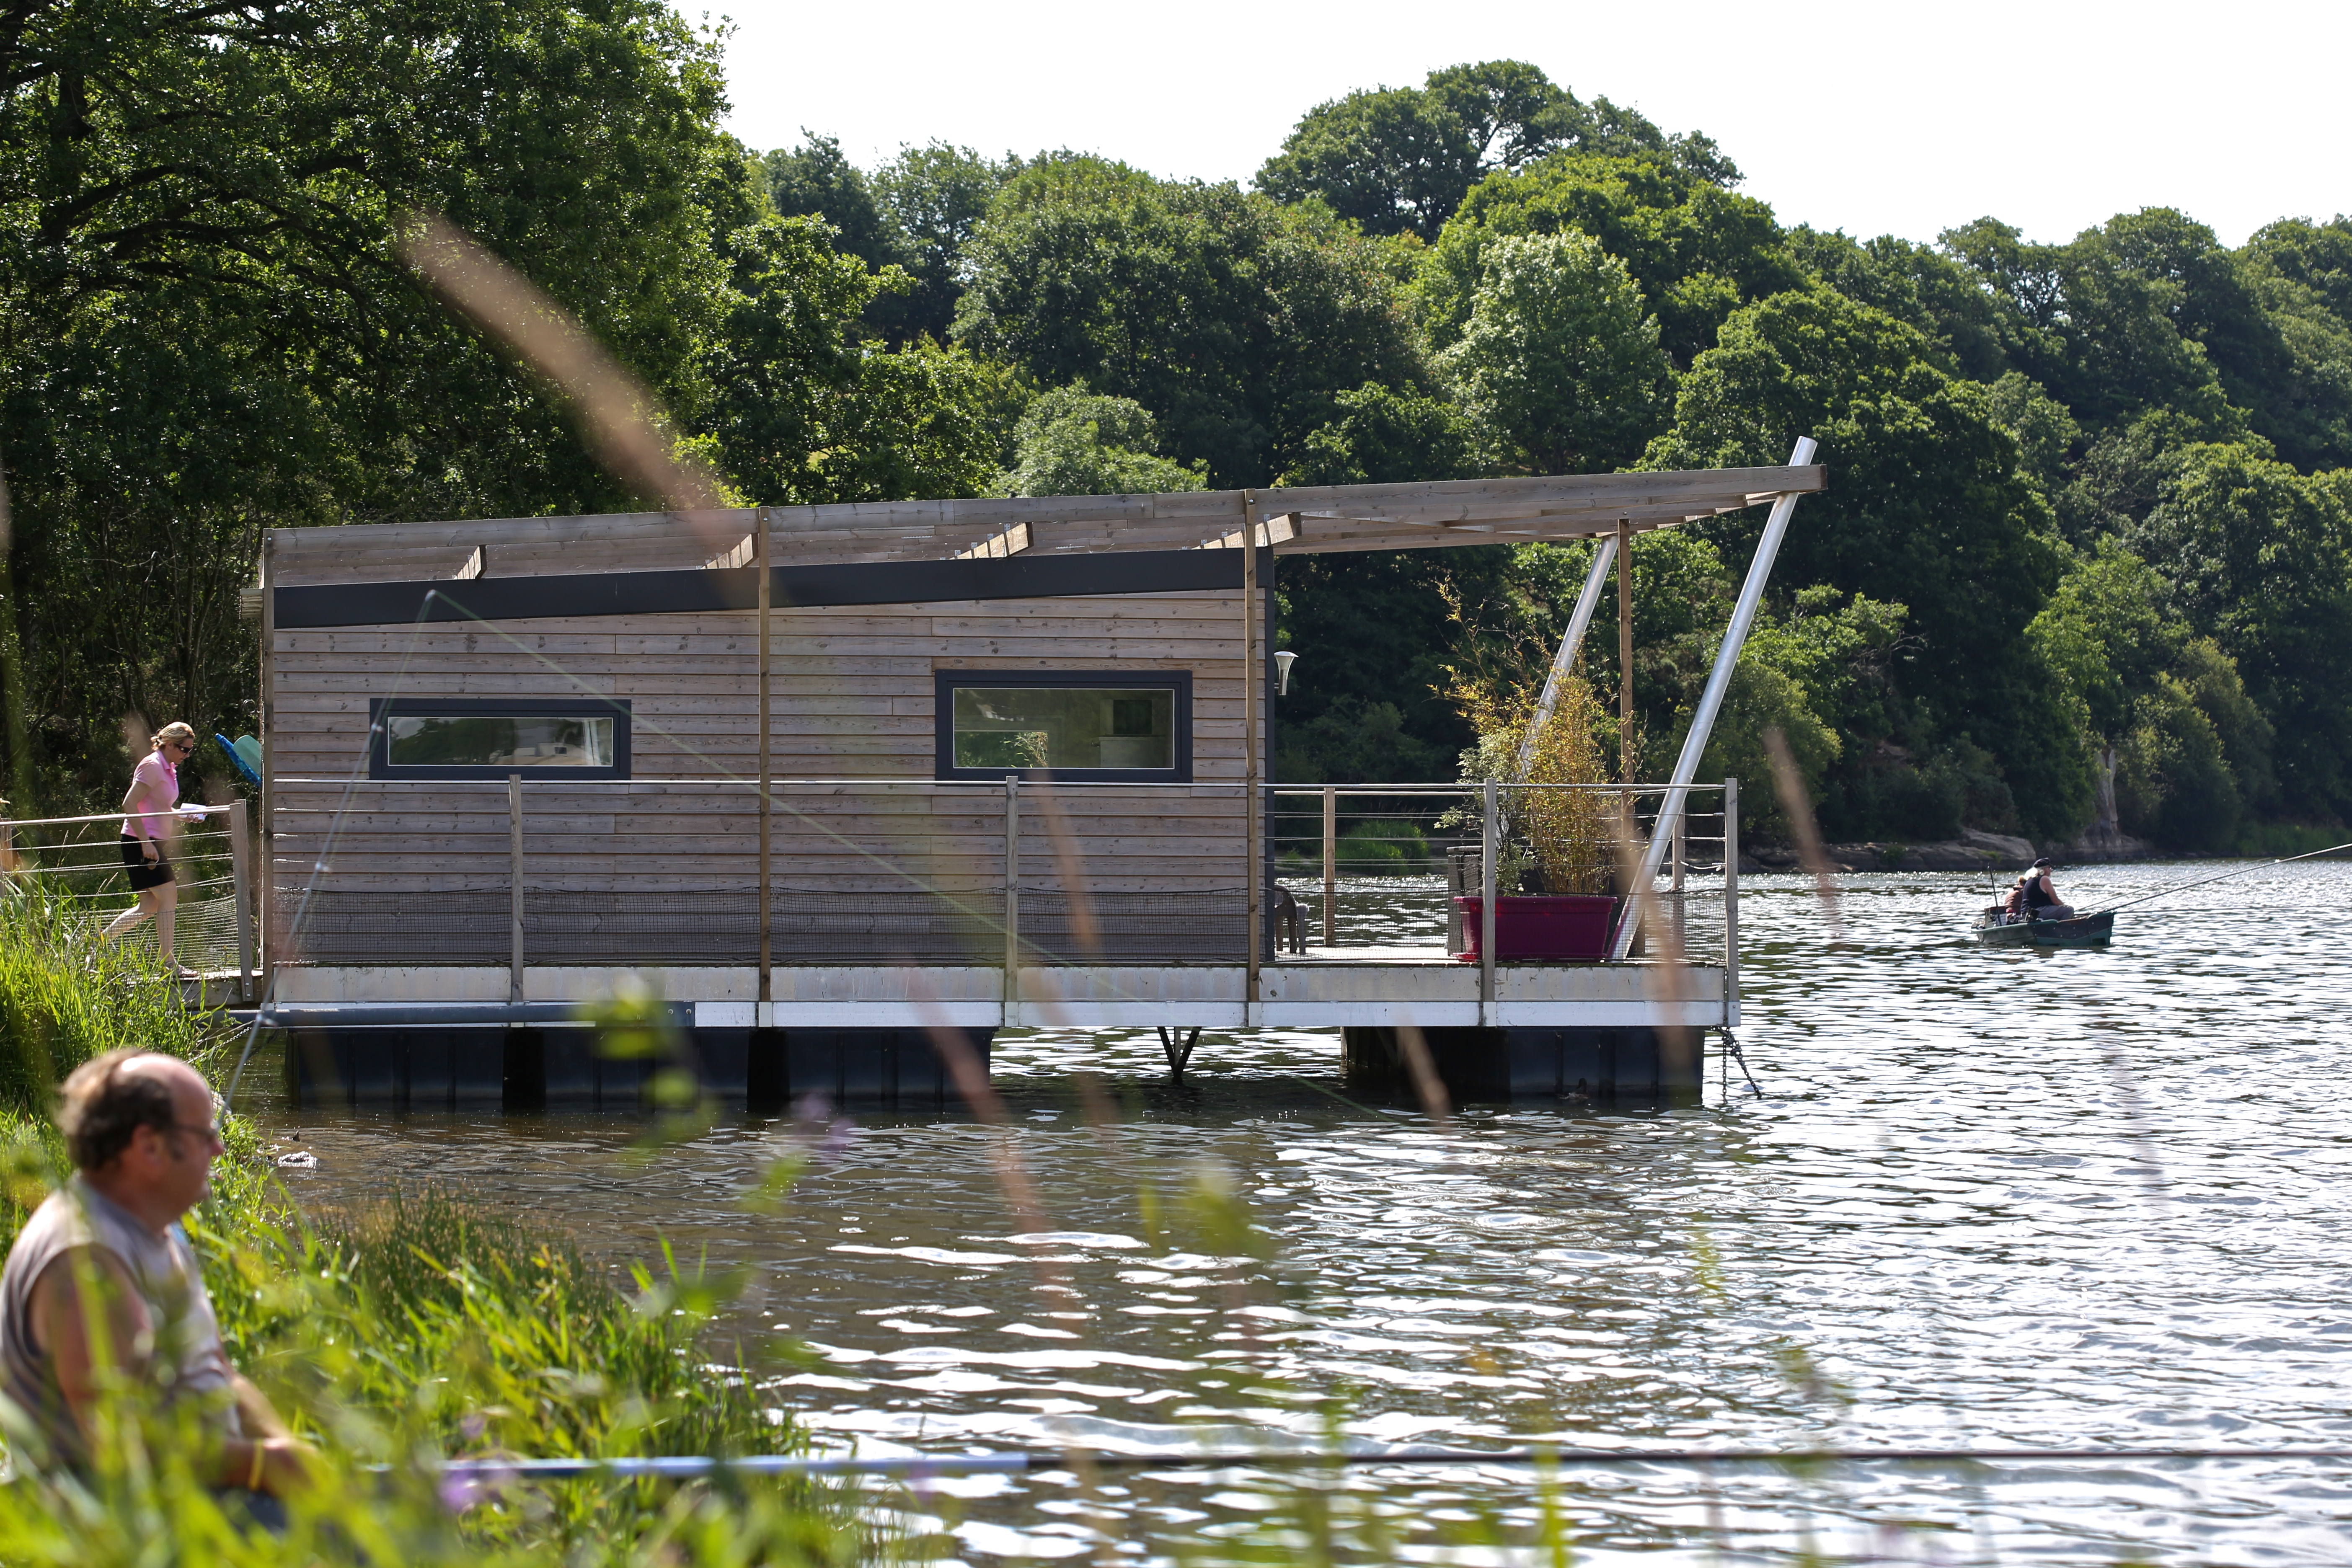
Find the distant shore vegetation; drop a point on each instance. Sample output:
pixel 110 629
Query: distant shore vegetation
pixel 2084 563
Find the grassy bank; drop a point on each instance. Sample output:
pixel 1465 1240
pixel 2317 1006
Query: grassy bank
pixel 421 1328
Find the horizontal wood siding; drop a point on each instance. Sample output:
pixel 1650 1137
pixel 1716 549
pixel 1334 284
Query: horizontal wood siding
pixel 852 697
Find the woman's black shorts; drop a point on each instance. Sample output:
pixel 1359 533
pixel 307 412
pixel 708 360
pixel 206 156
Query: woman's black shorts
pixel 145 873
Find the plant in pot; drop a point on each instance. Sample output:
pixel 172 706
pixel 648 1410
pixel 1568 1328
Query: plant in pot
pixel 1555 861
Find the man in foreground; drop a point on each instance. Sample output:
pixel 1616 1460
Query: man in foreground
pixel 102 1293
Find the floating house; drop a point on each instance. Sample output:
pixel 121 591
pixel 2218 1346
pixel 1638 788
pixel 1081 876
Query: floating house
pixel 853 787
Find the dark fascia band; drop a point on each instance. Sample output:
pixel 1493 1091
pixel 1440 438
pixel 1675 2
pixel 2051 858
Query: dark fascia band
pixel 738 588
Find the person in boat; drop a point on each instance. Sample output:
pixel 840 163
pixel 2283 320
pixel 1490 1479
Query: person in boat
pixel 2036 897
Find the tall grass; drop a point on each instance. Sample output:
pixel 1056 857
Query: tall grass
pixel 64 999
pixel 419 1328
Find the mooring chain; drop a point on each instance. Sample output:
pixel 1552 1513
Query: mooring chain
pixel 1731 1048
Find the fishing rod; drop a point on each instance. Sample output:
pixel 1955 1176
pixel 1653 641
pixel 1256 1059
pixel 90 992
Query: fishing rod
pixel 700 1467
pixel 2224 876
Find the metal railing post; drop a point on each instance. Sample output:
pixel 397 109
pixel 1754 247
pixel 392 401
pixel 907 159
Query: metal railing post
pixel 1682 924
pixel 767 778
pixel 1330 867
pixel 1489 852
pixel 1254 850
pixel 514 885
pixel 240 877
pixel 1011 900
pixel 1731 902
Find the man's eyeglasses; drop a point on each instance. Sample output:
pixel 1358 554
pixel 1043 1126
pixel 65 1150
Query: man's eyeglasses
pixel 208 1131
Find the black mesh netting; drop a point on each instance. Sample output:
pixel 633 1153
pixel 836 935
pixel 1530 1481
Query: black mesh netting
pixel 721 926
pixel 350 926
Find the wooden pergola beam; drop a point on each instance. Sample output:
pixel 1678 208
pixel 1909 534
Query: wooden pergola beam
pixel 1327 519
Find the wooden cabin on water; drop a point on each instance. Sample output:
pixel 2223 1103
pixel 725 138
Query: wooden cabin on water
pixel 836 779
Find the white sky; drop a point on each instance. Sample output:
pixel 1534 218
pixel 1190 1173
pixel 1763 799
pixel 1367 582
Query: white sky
pixel 1874 118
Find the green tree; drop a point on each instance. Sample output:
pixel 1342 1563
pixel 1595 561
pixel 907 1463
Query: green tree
pixel 808 410
pixel 1926 511
pixel 1398 160
pixel 1072 442
pixel 935 196
pixel 1697 252
pixel 204 326
pixel 816 180
pixel 1914 284
pixel 1237 322
pixel 2259 558
pixel 1558 368
pixel 2179 748
pixel 1385 437
pixel 2106 322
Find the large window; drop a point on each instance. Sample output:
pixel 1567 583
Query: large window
pixel 453 738
pixel 1075 725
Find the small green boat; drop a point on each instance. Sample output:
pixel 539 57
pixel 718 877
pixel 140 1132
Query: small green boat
pixel 2082 930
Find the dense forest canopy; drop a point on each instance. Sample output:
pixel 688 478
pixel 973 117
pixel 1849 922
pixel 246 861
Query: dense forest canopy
pixel 2085 564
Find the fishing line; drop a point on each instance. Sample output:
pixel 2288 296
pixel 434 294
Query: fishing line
pixel 2241 871
pixel 326 847
pixel 695 1467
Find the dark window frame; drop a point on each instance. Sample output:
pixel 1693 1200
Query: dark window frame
pixel 1180 682
pixel 379 766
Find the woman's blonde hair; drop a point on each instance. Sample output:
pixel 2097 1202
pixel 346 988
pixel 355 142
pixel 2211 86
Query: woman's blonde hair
pixel 172 732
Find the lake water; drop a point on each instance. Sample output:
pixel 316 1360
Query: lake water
pixel 1985 1197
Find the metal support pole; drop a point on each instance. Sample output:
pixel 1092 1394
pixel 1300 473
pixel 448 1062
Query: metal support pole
pixel 1718 682
pixel 1731 902
pixel 1254 850
pixel 1330 867
pixel 514 884
pixel 1011 900
pixel 1570 647
pixel 1490 850
pixel 1625 650
pixel 760 560
pixel 1674 897
pixel 240 874
pixel 270 938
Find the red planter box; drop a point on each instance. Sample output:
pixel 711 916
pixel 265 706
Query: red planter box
pixel 1574 929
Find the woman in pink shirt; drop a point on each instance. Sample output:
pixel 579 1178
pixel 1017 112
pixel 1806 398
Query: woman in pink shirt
pixel 150 819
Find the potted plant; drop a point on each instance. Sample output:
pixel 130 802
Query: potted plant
pixel 1555 864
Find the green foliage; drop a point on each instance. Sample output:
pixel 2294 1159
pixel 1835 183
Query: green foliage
pixel 1072 442
pixel 1559 367
pixel 1374 847
pixel 815 180
pixel 934 196
pixel 2259 558
pixel 1697 250
pixel 1400 159
pixel 1237 322
pixel 809 411
pixel 1928 511
pixel 1375 632
pixel 1384 436
pixel 422 1326
pixel 64 999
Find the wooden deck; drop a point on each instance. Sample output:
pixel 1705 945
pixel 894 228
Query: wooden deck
pixel 1347 988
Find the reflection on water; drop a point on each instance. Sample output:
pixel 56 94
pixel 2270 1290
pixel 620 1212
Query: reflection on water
pixel 1989 1196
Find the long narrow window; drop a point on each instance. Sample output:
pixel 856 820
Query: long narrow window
pixel 1078 724
pixel 461 738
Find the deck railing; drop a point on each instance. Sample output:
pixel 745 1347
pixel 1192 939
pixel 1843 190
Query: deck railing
pixel 75 864
pixel 546 872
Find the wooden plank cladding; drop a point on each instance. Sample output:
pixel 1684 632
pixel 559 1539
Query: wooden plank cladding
pixel 872 859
